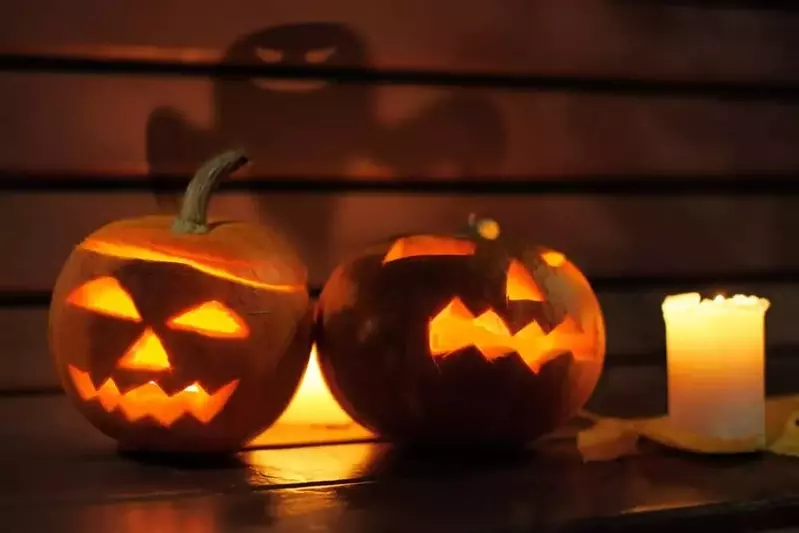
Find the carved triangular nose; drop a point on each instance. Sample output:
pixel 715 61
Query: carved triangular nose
pixel 147 353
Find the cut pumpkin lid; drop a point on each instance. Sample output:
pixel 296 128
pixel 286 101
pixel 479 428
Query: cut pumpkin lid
pixel 239 251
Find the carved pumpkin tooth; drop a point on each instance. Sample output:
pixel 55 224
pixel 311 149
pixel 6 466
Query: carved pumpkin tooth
pixel 150 401
pixel 140 270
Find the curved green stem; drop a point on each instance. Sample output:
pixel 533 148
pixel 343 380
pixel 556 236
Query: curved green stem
pixel 193 217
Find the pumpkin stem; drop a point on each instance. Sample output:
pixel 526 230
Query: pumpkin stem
pixel 484 228
pixel 193 217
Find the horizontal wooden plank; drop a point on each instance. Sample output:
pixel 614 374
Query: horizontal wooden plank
pixel 63 476
pixel 631 39
pixel 605 236
pixel 638 88
pixel 25 363
pixel 135 124
pixel 775 5
pixel 634 322
pixel 62 439
pixel 656 494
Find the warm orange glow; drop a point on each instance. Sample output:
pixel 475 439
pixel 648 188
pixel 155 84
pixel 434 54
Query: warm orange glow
pixel 427 245
pixel 147 353
pixel 213 319
pixel 553 258
pixel 106 296
pixel 456 328
pixel 521 285
pixel 313 404
pixel 150 401
pixel 207 265
pixel 307 463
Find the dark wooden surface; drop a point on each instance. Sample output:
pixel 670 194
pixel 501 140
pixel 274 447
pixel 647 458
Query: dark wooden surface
pixel 59 475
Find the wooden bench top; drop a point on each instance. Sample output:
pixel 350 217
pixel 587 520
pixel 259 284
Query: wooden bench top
pixel 59 475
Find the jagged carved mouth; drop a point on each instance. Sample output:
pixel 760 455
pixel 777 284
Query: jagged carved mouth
pixel 150 401
pixel 289 86
pixel 456 328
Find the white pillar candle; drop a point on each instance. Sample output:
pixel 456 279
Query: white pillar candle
pixel 716 364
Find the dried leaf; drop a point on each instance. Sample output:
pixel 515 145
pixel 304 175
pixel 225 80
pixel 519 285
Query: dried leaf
pixel 787 443
pixel 661 431
pixel 607 440
pixel 611 438
pixel 779 410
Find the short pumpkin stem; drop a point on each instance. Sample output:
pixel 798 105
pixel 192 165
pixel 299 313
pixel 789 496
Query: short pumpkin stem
pixel 193 217
pixel 484 228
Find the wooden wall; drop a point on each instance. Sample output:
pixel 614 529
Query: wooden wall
pixel 656 143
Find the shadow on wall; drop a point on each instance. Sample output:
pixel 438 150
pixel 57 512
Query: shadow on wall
pixel 323 128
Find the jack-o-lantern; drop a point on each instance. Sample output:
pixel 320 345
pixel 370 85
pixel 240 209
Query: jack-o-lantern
pixel 467 338
pixel 180 334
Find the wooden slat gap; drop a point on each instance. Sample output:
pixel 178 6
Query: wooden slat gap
pixel 24 392
pixel 716 90
pixel 749 185
pixel 787 6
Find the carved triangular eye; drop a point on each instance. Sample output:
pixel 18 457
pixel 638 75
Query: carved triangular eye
pixel 521 285
pixel 212 319
pixel 105 296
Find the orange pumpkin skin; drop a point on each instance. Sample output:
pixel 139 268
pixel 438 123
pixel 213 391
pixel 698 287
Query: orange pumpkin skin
pixel 432 339
pixel 184 336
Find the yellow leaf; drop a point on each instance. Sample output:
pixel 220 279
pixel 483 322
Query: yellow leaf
pixel 661 431
pixel 610 438
pixel 779 410
pixel 787 443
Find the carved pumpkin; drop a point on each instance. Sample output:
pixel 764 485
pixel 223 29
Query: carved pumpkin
pixel 180 334
pixel 466 338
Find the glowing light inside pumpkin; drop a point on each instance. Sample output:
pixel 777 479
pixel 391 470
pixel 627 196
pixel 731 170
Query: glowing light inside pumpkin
pixel 147 353
pixel 212 319
pixel 521 285
pixel 104 295
pixel 150 400
pixel 456 328
pixel 213 266
pixel 553 258
pixel 313 403
pixel 427 245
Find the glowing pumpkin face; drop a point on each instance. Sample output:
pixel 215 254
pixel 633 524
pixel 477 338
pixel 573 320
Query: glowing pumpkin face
pixel 164 343
pixel 460 338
